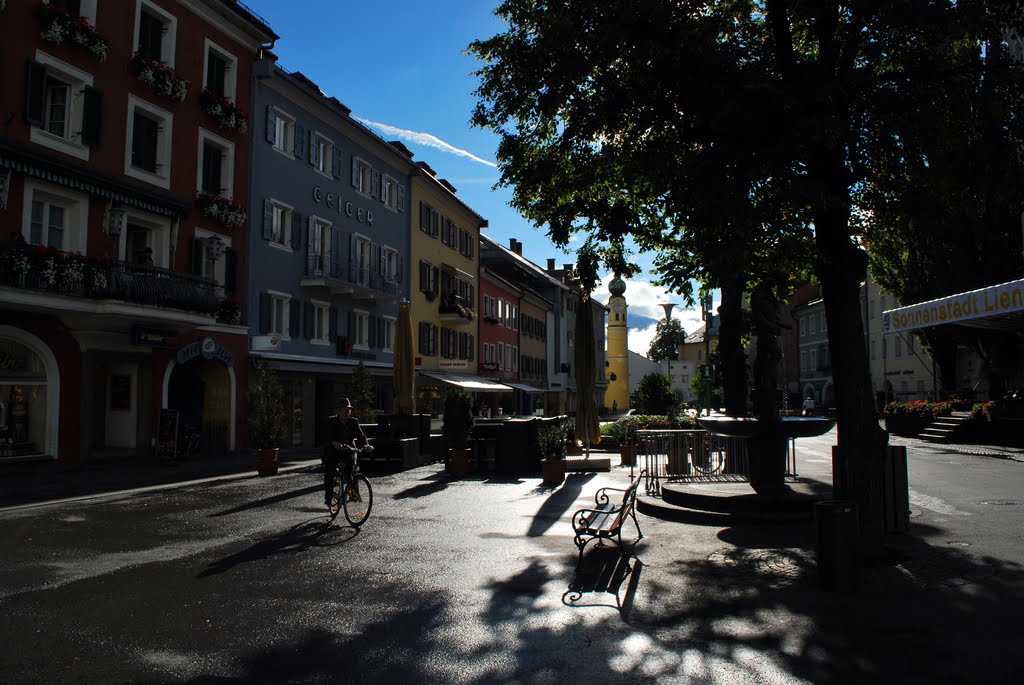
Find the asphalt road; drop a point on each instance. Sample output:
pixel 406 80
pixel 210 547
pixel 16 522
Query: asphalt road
pixel 473 581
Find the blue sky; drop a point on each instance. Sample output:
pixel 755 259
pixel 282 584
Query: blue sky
pixel 403 70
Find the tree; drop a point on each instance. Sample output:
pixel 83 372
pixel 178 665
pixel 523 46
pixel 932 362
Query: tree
pixel 667 338
pixel 653 395
pixel 363 392
pixel 609 113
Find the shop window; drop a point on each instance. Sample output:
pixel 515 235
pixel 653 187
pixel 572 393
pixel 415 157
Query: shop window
pixel 23 401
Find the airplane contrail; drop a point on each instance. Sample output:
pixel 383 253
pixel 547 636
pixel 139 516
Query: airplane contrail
pixel 422 139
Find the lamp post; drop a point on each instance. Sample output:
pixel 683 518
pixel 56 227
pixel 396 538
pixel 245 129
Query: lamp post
pixel 705 305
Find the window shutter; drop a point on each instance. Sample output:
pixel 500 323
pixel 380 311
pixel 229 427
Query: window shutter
pixel 336 163
pixel 299 142
pixel 197 256
pixel 294 313
pixel 424 275
pixel 313 153
pixel 308 322
pixel 472 342
pixel 352 327
pixel 268 219
pixel 378 254
pixel 375 184
pixel 372 325
pixel 355 172
pixel 271 125
pixel 399 275
pixel 296 231
pixel 265 304
pixel 35 93
pixel 401 198
pixel 92 115
pixel 353 267
pixel 230 271
pixel 332 331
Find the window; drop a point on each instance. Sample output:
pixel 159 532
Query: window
pixel 280 315
pixel 280 131
pixel 54 216
pixel 148 154
pixel 428 277
pixel 515 357
pixel 360 259
pixel 363 177
pixel 360 329
pixel 501 356
pixel 62 106
pixel 324 154
pixel 427 342
pixel 220 70
pixel 216 164
pixel 281 224
pixel 388 333
pixel 389 264
pixel 429 219
pixel 899 346
pixel 320 232
pixel 320 315
pixel 813 355
pixel 803 327
pixel 392 194
pixel 209 260
pixel 803 360
pixel 811 321
pixel 155 30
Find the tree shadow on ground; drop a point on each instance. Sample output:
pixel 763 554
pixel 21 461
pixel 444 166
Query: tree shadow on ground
pixel 601 574
pixel 319 532
pixel 557 503
pixel 434 484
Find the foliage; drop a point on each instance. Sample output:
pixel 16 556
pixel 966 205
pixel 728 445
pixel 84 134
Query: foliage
pixel 653 394
pixel 918 409
pixel 458 419
pixel 265 413
pixel 667 338
pixel 703 387
pixel 554 436
pixel 362 394
pixel 982 411
pixel 624 430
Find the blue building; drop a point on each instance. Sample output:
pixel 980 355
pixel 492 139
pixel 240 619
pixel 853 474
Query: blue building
pixel 328 248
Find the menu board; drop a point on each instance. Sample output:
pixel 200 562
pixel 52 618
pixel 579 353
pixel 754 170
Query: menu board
pixel 167 434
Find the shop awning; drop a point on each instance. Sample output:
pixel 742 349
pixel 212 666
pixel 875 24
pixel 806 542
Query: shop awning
pixel 526 388
pixel 998 306
pixel 466 382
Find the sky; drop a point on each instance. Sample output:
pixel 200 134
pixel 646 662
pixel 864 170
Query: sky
pixel 403 69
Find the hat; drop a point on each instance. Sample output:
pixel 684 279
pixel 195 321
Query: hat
pixel 343 402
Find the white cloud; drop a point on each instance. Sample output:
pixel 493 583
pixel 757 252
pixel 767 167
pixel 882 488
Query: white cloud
pixel 644 299
pixel 424 139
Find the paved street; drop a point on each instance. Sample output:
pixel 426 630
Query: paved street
pixel 473 581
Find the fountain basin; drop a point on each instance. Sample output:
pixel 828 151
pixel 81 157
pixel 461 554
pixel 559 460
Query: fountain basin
pixel 749 426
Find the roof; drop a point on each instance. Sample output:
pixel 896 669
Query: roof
pixel 521 261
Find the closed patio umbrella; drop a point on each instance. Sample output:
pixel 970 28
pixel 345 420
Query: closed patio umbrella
pixel 588 429
pixel 404 364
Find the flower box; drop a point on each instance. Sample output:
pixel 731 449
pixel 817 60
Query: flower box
pixel 225 113
pixel 62 27
pixel 221 209
pixel 160 77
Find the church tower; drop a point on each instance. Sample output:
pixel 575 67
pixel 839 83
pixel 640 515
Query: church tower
pixel 618 349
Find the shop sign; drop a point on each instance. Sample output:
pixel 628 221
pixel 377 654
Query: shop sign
pixel 208 348
pixel 452 365
pixel 153 337
pixel 488 366
pixel 1004 298
pixel 266 343
pixel 359 354
pixel 363 216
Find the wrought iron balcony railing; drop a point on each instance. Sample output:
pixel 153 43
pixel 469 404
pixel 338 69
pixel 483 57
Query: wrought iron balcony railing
pixel 47 269
pixel 352 273
pixel 454 304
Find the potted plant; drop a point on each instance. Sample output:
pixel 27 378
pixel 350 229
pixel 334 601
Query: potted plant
pixel 265 415
pixel 553 438
pixel 456 428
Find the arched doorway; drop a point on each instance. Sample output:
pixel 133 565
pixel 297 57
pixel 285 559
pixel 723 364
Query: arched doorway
pixel 29 396
pixel 828 396
pixel 201 390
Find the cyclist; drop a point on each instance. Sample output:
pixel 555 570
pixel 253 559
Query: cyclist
pixel 343 434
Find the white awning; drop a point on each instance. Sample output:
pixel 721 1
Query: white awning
pixel 525 388
pixel 466 382
pixel 997 306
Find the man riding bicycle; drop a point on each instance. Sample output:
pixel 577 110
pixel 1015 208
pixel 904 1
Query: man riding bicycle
pixel 344 434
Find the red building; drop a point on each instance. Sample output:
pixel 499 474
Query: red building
pixel 124 164
pixel 499 335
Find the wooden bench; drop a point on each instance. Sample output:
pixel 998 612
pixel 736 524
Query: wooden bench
pixel 604 521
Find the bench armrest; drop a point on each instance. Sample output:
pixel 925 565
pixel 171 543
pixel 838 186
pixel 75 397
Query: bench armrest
pixel 601 496
pixel 579 519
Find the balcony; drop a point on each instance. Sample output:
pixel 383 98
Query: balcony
pixel 350 278
pixel 46 271
pixel 454 308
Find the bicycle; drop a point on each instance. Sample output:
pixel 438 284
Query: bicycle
pixel 352 492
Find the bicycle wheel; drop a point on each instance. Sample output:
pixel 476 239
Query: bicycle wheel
pixel 334 508
pixel 357 500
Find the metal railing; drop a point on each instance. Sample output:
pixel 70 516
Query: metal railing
pixel 352 272
pixel 46 269
pixel 691 456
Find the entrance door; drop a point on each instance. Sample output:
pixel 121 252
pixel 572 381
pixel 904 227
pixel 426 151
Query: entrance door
pixel 122 406
pixel 216 407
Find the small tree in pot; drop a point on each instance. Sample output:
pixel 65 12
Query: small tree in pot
pixel 553 437
pixel 456 428
pixel 265 415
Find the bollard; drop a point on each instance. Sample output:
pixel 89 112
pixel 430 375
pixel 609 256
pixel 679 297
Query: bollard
pixel 838 550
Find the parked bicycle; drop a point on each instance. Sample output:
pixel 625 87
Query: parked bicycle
pixel 352 492
pixel 189 446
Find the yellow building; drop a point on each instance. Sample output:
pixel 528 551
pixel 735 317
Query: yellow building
pixel 443 289
pixel 617 394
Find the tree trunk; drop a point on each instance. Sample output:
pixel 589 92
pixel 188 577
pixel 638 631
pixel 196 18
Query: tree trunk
pixel 859 460
pixel 730 347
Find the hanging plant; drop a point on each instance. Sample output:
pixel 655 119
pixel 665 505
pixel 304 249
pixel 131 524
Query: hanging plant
pixel 160 77
pixel 222 209
pixel 225 112
pixel 61 26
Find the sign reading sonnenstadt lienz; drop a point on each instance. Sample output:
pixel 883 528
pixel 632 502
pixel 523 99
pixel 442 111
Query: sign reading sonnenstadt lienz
pixel 1004 298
